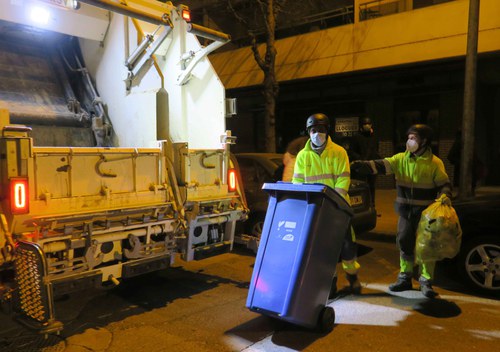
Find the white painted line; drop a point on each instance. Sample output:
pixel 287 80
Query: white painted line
pixel 485 335
pixel 363 313
pixel 267 345
pixel 416 294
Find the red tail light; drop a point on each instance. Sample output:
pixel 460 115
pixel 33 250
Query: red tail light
pixel 19 196
pixel 186 15
pixel 231 180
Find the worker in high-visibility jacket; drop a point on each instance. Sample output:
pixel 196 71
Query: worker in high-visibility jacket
pixel 323 161
pixel 420 179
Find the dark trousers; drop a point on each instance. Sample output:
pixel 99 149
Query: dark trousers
pixel 349 246
pixel 409 218
pixel 371 179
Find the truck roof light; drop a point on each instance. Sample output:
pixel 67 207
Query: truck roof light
pixel 39 15
pixel 231 180
pixel 19 196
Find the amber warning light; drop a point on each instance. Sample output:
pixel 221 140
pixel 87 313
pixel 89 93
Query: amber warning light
pixel 186 15
pixel 19 196
pixel 231 180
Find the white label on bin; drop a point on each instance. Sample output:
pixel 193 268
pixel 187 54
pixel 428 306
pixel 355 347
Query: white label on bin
pixel 288 224
pixel 288 237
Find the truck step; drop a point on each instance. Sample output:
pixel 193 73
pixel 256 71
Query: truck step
pixel 212 250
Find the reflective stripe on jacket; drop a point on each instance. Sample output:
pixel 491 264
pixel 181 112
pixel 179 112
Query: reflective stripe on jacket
pixel 331 168
pixel 419 179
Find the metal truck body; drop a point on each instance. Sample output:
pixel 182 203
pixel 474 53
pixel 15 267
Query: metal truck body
pixel 157 182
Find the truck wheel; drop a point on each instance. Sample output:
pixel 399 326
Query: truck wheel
pixel 479 263
pixel 256 224
pixel 326 319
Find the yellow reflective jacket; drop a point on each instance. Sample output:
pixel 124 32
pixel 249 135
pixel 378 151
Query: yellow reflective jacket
pixel 331 168
pixel 419 179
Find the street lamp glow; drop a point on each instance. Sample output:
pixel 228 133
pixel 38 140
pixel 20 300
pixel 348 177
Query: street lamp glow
pixel 39 15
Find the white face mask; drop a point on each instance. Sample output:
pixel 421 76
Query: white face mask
pixel 318 139
pixel 411 145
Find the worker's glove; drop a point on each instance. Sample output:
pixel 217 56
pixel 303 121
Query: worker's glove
pixel 361 167
pixel 444 199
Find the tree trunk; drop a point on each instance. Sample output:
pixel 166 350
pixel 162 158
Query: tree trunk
pixel 270 113
pixel 469 117
pixel 270 83
pixel 269 10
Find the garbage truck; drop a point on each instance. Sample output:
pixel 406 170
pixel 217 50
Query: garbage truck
pixel 114 157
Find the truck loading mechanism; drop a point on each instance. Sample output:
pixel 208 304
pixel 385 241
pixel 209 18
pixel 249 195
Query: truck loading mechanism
pixel 157 180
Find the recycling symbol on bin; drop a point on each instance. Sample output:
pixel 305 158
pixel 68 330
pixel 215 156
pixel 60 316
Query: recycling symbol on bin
pixel 289 226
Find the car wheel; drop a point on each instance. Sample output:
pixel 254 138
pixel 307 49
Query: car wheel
pixel 479 263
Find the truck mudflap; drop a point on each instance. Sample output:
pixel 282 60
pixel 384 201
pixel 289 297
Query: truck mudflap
pixel 33 299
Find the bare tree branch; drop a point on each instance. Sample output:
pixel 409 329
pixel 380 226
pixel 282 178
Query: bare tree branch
pixel 237 15
pixel 269 10
pixel 256 54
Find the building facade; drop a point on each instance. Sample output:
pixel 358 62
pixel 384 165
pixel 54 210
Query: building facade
pixel 398 63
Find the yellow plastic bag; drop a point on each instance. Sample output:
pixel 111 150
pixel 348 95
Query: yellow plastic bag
pixel 439 233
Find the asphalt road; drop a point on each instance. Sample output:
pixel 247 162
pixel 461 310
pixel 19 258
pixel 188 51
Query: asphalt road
pixel 200 306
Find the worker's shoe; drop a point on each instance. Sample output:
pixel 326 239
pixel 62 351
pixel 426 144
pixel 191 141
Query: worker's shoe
pixel 333 289
pixel 403 283
pixel 354 284
pixel 426 288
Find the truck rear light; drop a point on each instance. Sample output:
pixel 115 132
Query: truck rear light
pixel 186 15
pixel 19 195
pixel 231 180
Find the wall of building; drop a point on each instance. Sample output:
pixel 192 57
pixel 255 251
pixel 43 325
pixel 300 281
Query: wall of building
pixel 420 35
pixel 394 98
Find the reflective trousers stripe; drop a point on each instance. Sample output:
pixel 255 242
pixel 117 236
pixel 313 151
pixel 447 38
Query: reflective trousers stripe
pixel 426 269
pixel 351 266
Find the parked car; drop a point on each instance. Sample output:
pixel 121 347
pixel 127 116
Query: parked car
pixel 259 168
pixel 478 261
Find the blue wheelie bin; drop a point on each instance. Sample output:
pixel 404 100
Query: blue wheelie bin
pixel 303 232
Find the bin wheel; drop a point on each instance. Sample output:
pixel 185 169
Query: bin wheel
pixel 326 319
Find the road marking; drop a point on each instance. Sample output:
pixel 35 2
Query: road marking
pixel 385 311
pixel 363 313
pixel 267 345
pixel 373 309
pixel 415 294
pixel 485 335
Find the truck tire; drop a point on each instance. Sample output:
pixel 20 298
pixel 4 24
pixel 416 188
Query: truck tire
pixel 255 224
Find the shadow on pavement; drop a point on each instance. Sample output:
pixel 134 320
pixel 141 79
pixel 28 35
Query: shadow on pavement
pixel 295 337
pixel 438 308
pixel 254 330
pixel 282 333
pixel 97 308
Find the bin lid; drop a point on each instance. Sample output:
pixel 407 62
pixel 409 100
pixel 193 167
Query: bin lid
pixel 330 193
